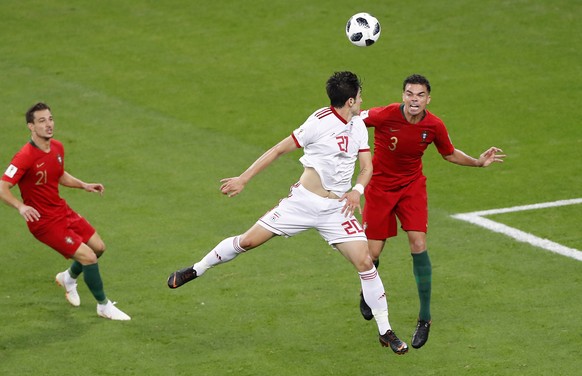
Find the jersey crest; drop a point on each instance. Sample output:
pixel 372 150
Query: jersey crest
pixel 424 136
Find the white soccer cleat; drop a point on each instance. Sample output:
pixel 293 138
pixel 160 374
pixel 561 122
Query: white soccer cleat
pixel 111 312
pixel 70 285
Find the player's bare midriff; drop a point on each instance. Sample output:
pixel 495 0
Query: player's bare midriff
pixel 312 182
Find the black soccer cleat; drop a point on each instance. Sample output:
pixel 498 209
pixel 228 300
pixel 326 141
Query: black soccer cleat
pixel 365 309
pixel 420 335
pixel 389 339
pixel 179 277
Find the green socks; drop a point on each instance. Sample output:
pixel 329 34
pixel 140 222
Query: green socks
pixel 75 269
pixel 94 282
pixel 422 270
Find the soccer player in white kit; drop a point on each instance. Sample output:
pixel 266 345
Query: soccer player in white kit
pixel 332 138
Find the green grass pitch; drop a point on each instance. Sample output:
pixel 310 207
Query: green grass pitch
pixel 159 100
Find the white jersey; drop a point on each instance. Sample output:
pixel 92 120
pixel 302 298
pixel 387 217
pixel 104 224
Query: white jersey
pixel 331 147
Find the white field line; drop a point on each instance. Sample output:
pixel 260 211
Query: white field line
pixel 476 218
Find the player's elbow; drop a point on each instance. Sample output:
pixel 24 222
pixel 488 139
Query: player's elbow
pixel 4 188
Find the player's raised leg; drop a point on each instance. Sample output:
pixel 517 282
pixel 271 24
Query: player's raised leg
pixel 224 251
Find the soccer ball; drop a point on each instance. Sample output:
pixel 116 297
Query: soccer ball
pixel 363 29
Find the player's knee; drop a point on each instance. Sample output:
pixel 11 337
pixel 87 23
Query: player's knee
pixel 364 264
pixel 368 264
pixel 85 255
pixel 92 259
pixel 98 247
pixel 253 238
pixel 246 242
pixel 417 244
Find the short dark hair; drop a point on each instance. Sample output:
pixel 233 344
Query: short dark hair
pixel 416 79
pixel 342 86
pixel 37 107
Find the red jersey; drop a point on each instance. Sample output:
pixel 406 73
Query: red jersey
pixel 400 145
pixel 37 174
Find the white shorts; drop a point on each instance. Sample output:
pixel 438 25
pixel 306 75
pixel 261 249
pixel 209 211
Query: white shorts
pixel 303 210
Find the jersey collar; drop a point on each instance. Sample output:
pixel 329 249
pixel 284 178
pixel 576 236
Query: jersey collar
pixel 338 115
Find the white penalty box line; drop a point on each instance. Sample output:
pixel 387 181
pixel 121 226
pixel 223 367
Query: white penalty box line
pixel 477 218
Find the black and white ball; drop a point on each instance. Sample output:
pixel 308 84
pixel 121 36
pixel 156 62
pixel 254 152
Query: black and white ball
pixel 363 29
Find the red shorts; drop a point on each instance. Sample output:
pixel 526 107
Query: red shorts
pixel 66 234
pixel 409 204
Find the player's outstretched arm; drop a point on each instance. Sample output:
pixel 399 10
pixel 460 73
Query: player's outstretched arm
pixel 489 156
pixel 233 186
pixel 70 181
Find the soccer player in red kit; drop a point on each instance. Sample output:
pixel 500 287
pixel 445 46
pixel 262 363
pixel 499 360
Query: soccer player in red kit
pixel 402 132
pixel 38 169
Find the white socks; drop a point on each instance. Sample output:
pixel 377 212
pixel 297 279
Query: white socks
pixel 225 251
pixel 69 281
pixel 375 297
